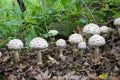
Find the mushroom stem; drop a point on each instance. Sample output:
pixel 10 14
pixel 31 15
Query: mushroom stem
pixel 81 53
pixel 60 52
pixel 96 54
pixel 16 56
pixel 74 46
pixel 119 30
pixel 74 49
pixel 39 57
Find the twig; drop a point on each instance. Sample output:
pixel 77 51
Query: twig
pixel 109 21
pixel 89 10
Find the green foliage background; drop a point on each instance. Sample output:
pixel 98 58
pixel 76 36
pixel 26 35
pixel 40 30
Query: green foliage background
pixel 62 15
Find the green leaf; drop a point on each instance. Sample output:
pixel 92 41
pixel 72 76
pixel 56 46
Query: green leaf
pixel 83 21
pixel 4 42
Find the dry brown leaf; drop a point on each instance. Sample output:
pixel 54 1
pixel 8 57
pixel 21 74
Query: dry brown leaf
pixel 85 78
pixel 93 76
pixel 23 78
pixel 112 78
pixel 57 78
pixel 6 58
pixel 115 52
pixel 11 77
pixel 71 76
pixel 52 60
pixel 43 75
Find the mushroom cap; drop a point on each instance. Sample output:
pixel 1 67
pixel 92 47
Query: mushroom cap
pixel 53 32
pixel 104 29
pixel 61 43
pixel 91 29
pixel 0 54
pixel 75 38
pixel 15 44
pixel 96 40
pixel 82 45
pixel 117 22
pixel 38 43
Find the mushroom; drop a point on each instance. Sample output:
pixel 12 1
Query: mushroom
pixel 96 41
pixel 38 44
pixel 53 33
pixel 0 54
pixel 91 29
pixel 117 24
pixel 82 46
pixel 104 30
pixel 75 39
pixel 15 45
pixel 61 43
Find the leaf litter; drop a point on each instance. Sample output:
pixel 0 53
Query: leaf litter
pixel 70 68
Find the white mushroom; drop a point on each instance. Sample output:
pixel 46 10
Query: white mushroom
pixel 96 41
pixel 104 30
pixel 53 32
pixel 0 54
pixel 52 35
pixel 117 23
pixel 75 39
pixel 16 45
pixel 61 43
pixel 82 46
pixel 38 44
pixel 91 29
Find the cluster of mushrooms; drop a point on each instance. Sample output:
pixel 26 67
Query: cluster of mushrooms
pixel 91 30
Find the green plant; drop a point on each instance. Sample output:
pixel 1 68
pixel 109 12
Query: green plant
pixel 44 15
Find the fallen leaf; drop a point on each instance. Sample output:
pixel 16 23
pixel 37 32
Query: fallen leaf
pixel 112 78
pixel 6 58
pixel 52 60
pixel 103 75
pixel 43 75
pixel 23 78
pixel 11 77
pixel 115 52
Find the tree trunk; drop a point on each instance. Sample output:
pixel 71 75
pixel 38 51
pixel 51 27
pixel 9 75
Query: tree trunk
pixel 22 5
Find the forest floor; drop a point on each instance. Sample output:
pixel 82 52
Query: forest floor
pixel 73 68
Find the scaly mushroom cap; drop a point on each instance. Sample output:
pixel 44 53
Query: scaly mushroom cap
pixel 82 45
pixel 15 44
pixel 75 38
pixel 96 40
pixel 53 32
pixel 117 22
pixel 91 29
pixel 104 29
pixel 38 43
pixel 61 43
